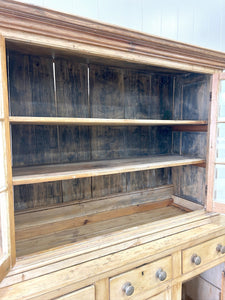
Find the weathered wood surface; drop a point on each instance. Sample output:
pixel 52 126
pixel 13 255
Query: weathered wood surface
pixel 62 217
pixel 47 173
pixel 178 125
pixel 71 88
pixel 87 230
pixel 31 85
pixel 119 262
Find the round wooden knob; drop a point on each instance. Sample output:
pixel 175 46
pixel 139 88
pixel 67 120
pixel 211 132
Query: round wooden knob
pixel 196 259
pixel 161 274
pixel 220 248
pixel 128 289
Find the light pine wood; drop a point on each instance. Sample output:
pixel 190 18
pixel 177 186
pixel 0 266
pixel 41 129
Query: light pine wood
pixel 223 286
pixel 176 264
pixel 143 280
pixel 36 174
pixel 100 247
pixel 212 140
pixel 100 121
pixel 207 251
pixel 87 293
pixel 53 226
pixel 35 242
pixel 117 261
pixel 144 233
pixel 176 291
pixel 102 289
pixel 162 296
pixel 187 204
pixel 63 215
pixel 7 207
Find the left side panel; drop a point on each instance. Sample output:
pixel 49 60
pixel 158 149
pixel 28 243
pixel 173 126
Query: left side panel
pixel 7 228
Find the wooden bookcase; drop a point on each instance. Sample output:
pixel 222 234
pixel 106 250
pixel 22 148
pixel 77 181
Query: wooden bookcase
pixel 108 159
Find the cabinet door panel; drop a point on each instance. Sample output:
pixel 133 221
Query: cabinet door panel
pixel 7 236
pixel 216 158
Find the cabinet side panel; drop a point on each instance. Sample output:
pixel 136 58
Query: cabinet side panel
pixel 189 183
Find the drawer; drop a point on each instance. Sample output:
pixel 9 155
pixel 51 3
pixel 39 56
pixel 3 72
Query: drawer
pixel 140 280
pixel 162 296
pixel 202 254
pixel 87 293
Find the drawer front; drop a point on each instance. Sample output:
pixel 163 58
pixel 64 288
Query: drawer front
pixel 87 293
pixel 162 296
pixel 140 280
pixel 201 254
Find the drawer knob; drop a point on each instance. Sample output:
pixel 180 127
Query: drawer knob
pixel 220 248
pixel 196 259
pixel 128 289
pixel 161 274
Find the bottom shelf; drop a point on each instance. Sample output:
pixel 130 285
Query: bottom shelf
pixel 57 226
pixel 47 241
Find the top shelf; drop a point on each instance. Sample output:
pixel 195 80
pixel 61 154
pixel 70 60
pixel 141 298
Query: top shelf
pixel 100 121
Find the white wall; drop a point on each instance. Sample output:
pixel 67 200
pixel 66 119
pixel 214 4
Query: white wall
pixel 199 22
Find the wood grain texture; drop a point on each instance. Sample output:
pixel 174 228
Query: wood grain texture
pixel 34 145
pixel 148 179
pixel 143 280
pixel 162 296
pixel 106 92
pixel 90 230
pixel 187 180
pixel 87 293
pixel 137 95
pixel 26 229
pixel 37 174
pixel 206 256
pixel 71 88
pixel 31 86
pixel 37 195
pixel 195 125
pixel 7 207
pixel 102 289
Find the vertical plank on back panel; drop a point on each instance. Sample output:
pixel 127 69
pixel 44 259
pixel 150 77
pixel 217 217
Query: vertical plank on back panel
pixel 137 94
pixel 71 88
pixel 37 195
pixel 109 184
pixel 107 142
pixel 76 189
pixel 31 85
pixel 74 143
pixel 106 92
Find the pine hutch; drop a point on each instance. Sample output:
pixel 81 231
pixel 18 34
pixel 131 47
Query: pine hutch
pixel 108 158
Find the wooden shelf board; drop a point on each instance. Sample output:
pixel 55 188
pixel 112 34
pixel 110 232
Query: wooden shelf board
pixel 98 121
pixel 47 173
pixel 51 240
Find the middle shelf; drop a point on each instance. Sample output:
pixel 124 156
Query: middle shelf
pixel 47 173
pixel 101 121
